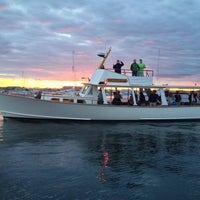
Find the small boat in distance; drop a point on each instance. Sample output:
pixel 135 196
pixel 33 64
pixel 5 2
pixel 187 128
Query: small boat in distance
pixel 101 99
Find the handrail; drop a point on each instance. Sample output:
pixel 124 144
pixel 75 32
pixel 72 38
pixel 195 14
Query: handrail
pixel 128 72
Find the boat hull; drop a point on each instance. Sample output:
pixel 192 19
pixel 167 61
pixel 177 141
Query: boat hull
pixel 29 108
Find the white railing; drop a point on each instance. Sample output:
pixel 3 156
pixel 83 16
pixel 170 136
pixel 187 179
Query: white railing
pixel 128 72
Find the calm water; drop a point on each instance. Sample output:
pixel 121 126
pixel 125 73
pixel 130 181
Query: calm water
pixel 99 161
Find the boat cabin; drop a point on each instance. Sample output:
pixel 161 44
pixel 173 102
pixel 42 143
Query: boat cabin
pixel 105 83
pixel 105 79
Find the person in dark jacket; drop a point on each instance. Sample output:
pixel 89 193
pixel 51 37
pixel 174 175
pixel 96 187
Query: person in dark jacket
pixel 117 67
pixel 39 95
pixel 134 68
pixel 192 98
pixel 153 98
pixel 142 101
pixel 177 98
pixel 117 98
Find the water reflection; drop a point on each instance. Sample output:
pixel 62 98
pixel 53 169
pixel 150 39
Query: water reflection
pixel 130 156
pixel 1 125
pixel 102 176
pixel 1 137
pixel 150 148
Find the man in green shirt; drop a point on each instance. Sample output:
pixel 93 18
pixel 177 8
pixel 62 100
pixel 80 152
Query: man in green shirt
pixel 142 66
pixel 134 68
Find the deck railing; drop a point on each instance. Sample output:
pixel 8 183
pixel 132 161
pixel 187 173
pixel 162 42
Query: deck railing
pixel 128 72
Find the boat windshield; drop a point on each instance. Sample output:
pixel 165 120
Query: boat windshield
pixel 84 89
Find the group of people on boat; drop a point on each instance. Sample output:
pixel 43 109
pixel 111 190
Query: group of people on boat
pixel 192 98
pixel 153 98
pixel 136 68
pixel 150 97
pixel 117 98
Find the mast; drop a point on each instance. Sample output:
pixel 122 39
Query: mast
pixel 104 59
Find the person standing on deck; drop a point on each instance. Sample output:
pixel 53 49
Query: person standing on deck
pixel 177 98
pixel 117 67
pixel 192 98
pixel 134 68
pixel 142 101
pixel 100 97
pixel 142 66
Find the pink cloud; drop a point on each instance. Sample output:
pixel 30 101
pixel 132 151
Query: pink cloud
pixel 3 7
pixel 98 40
pixel 71 28
pixel 45 22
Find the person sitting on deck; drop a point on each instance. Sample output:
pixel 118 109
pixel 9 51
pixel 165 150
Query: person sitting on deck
pixel 192 98
pixel 142 101
pixel 177 98
pixel 117 98
pixel 100 97
pixel 39 95
pixel 153 98
pixel 130 101
pixel 169 97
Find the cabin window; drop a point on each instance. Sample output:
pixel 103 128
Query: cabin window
pixel 55 99
pixel 90 91
pixel 84 89
pixel 79 101
pixel 68 100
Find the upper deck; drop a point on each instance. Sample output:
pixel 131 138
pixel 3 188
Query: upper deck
pixel 111 78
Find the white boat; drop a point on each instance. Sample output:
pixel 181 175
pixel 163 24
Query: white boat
pixel 89 105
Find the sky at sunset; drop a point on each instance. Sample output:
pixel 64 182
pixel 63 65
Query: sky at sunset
pixel 60 40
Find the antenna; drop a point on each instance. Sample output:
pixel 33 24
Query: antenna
pixel 104 56
pixel 73 67
pixel 158 61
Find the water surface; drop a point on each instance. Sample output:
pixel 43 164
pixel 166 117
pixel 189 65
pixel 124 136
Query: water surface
pixel 64 161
